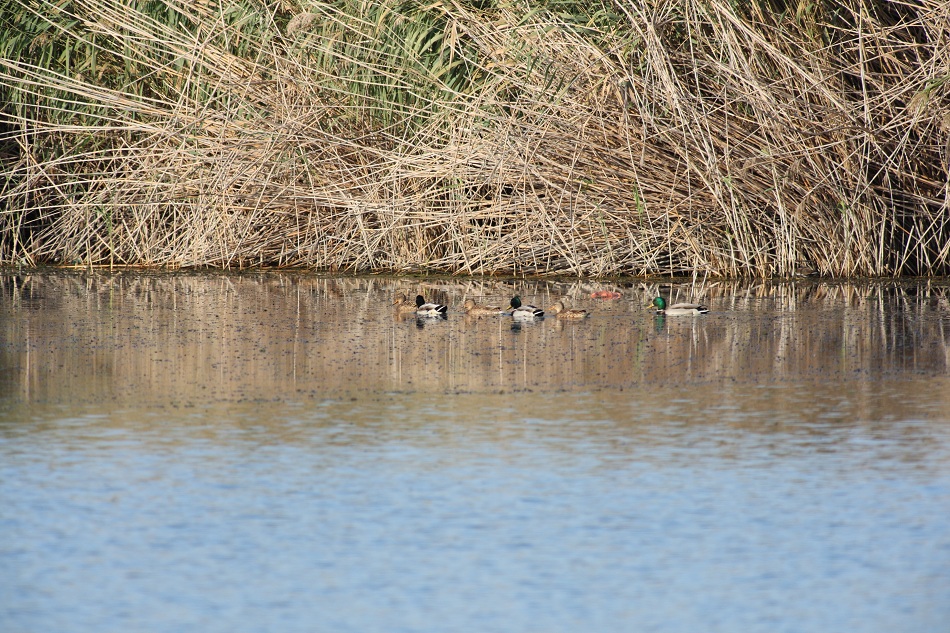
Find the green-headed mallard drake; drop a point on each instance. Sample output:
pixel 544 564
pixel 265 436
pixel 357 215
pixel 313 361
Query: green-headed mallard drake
pixel 472 308
pixel 429 309
pixel 520 311
pixel 563 313
pixel 677 309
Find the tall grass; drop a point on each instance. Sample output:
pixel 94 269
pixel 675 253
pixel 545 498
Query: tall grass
pixel 478 136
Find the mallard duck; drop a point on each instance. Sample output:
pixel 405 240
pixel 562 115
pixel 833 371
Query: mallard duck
pixel 520 311
pixel 472 308
pixel 563 313
pixel 677 309
pixel 429 309
pixel 402 305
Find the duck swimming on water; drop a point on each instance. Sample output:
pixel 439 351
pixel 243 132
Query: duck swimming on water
pixel 402 305
pixel 677 309
pixel 524 312
pixel 563 313
pixel 424 308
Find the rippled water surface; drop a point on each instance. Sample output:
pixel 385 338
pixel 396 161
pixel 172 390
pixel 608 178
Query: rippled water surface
pixel 278 452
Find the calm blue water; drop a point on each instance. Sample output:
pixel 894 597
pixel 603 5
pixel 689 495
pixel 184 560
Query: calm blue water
pixel 418 516
pixel 795 505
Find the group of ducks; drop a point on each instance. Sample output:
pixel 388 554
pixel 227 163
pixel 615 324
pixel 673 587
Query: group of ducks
pixel 516 309
pixel 521 311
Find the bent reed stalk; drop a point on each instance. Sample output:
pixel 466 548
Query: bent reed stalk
pixel 478 136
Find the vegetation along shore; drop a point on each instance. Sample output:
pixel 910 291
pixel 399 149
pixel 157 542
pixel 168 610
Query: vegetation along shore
pixel 634 137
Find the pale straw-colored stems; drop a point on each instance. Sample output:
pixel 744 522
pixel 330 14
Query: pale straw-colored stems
pixel 696 138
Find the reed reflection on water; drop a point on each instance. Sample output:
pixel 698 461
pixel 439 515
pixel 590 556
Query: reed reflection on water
pixel 209 336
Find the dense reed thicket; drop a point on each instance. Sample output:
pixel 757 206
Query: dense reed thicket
pixel 478 136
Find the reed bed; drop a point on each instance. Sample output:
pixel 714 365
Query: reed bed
pixel 478 137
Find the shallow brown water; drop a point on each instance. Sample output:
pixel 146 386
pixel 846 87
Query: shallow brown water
pixel 272 336
pixel 265 451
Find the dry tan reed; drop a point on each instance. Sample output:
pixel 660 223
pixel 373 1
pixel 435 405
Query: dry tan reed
pixel 688 137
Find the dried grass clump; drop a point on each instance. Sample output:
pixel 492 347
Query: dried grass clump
pixel 480 137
